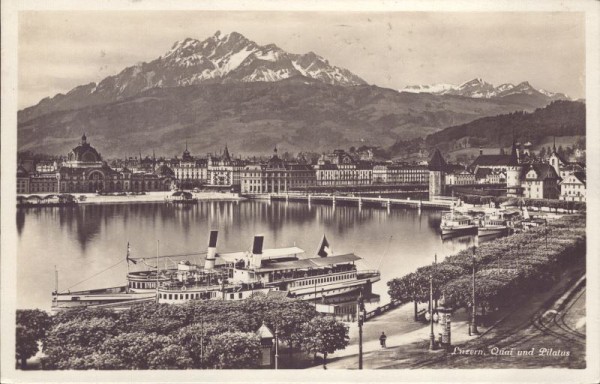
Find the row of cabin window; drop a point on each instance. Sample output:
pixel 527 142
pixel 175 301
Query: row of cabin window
pixel 325 279
pixel 135 284
pixel 184 296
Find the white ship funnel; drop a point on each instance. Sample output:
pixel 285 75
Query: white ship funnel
pixel 211 251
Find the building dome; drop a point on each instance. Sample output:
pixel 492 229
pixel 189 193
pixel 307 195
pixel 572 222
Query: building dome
pixel 164 170
pixel 84 153
pixel 83 156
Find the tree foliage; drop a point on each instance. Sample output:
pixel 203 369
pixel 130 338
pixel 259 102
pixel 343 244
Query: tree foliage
pixel 31 327
pixel 505 267
pixel 234 350
pixel 91 339
pixel 324 335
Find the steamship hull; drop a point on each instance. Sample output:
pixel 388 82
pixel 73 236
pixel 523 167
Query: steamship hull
pixel 103 297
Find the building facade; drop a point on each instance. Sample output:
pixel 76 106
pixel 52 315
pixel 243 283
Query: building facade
pixel 540 181
pixel 400 174
pixel 85 172
pixel 276 176
pixel 573 187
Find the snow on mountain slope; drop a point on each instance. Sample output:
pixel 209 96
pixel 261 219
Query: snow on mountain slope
pixel 221 58
pixel 478 88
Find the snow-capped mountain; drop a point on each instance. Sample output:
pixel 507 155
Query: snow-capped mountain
pixel 221 58
pixel 478 88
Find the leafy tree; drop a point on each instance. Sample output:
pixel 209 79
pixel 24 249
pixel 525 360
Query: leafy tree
pixel 234 350
pixel 195 339
pixel 31 327
pixel 67 343
pixel 324 335
pixel 412 287
pixel 141 350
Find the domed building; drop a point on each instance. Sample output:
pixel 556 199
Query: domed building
pixel 83 156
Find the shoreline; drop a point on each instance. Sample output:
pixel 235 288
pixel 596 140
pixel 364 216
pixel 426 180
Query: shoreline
pixel 149 197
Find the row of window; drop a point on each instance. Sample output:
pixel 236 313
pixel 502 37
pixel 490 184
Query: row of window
pixel 328 279
pixel 188 296
pixel 142 285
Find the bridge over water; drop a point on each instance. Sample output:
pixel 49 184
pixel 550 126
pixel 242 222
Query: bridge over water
pixel 440 202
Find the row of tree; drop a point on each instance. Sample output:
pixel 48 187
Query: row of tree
pixel 519 263
pixel 199 334
pixel 538 203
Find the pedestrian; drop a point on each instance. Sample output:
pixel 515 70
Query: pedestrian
pixel 382 339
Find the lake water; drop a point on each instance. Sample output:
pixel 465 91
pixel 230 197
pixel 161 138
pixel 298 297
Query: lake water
pixel 84 241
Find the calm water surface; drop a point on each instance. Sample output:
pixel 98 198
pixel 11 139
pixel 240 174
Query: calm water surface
pixel 86 240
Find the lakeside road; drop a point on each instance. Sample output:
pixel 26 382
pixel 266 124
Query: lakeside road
pixel 552 323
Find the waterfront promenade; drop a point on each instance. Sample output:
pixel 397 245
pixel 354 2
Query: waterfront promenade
pixel 554 318
pixel 148 197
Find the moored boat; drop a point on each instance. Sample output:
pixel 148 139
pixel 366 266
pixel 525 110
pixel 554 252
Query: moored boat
pixel 285 270
pixel 232 276
pixel 456 224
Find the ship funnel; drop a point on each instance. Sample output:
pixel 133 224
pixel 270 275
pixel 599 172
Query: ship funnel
pixel 211 251
pixel 258 245
pixel 257 249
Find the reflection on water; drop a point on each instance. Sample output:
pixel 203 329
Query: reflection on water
pixel 85 240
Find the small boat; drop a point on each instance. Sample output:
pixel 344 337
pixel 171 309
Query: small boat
pixel 492 226
pixel 454 224
pixel 181 197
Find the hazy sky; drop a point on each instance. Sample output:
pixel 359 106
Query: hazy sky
pixel 59 50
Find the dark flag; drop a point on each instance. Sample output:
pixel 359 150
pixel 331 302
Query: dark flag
pixel 324 250
pixel 128 252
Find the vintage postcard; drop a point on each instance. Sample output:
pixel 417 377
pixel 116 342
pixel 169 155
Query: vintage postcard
pixel 348 190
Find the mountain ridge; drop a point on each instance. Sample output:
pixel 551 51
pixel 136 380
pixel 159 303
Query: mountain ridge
pixel 219 58
pixel 295 114
pixel 478 88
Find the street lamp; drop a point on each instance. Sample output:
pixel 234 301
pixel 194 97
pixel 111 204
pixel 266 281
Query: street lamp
pixel 546 231
pixel 361 308
pixel 276 347
pixel 473 328
pixel 431 314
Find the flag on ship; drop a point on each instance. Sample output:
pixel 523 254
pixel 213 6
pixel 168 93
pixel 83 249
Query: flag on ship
pixel 128 252
pixel 324 250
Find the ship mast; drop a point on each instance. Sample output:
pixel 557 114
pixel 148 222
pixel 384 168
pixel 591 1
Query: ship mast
pixel 55 280
pixel 157 246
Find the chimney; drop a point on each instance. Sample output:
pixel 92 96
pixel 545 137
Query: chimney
pixel 258 245
pixel 211 250
pixel 257 251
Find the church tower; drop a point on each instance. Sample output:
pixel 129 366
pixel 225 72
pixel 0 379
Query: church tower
pixel 513 173
pixel 437 174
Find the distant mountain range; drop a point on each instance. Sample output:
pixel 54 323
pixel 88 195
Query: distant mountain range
pixel 228 89
pixel 220 58
pixel 478 88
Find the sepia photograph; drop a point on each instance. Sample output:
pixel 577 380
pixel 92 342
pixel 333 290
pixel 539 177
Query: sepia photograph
pixel 285 188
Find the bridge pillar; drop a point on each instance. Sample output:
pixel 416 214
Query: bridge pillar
pixel 389 205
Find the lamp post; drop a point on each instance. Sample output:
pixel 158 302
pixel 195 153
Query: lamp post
pixel 473 328
pixel 546 231
pixel 431 335
pixel 276 347
pixel 361 306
